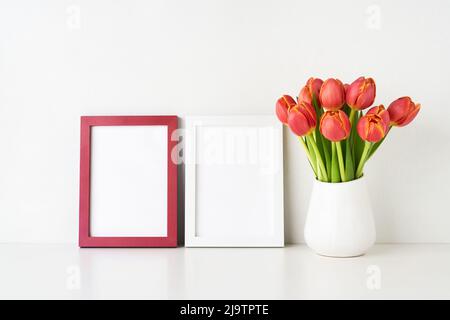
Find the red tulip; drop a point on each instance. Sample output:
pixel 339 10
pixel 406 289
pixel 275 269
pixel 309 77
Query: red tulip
pixel 382 113
pixel 312 88
pixel 332 95
pixel 361 93
pixel 284 104
pixel 402 111
pixel 335 125
pixel 305 95
pixel 314 85
pixel 302 119
pixel 374 125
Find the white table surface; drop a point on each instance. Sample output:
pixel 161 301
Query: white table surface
pixel 67 272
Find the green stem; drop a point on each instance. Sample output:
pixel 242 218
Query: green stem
pixel 352 116
pixel 318 141
pixel 308 155
pixel 319 173
pixel 377 144
pixel 341 161
pixel 323 143
pixel 364 155
pixel 318 156
pixel 349 148
pixel 335 176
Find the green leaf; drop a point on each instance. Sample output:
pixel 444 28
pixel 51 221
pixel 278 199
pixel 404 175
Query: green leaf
pixel 326 144
pixel 313 158
pixel 360 169
pixel 350 147
pixel 376 146
pixel 319 146
pixel 317 134
pixel 349 167
pixel 308 155
pixel 355 136
pixel 319 143
pixel 359 145
pixel 322 144
pixel 346 109
pixel 344 146
pixel 327 150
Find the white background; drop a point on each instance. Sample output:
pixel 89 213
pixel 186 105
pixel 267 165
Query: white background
pixel 62 59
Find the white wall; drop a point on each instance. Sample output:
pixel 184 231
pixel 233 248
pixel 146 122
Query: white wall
pixel 217 57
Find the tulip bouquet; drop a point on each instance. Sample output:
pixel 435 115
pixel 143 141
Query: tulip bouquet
pixel 337 136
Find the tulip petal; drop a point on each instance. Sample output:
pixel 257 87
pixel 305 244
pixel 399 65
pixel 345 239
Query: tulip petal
pixel 374 125
pixel 402 111
pixel 299 123
pixel 361 93
pixel 283 105
pixel 332 95
pixel 335 125
pixel 410 117
pixel 305 95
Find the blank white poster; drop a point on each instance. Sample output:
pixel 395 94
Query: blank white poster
pixel 236 197
pixel 129 181
pixel 234 182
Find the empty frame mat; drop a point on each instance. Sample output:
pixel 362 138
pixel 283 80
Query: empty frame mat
pixel 234 182
pixel 128 182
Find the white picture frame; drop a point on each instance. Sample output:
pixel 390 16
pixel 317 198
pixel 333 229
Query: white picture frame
pixel 234 181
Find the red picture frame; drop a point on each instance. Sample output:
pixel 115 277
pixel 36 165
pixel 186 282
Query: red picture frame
pixel 85 238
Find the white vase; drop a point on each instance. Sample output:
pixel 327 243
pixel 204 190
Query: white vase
pixel 340 220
